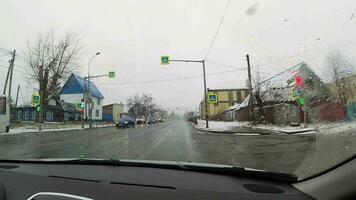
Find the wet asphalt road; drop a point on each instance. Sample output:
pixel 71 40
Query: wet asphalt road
pixel 303 155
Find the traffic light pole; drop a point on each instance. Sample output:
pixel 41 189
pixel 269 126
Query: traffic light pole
pixel 205 94
pixel 86 94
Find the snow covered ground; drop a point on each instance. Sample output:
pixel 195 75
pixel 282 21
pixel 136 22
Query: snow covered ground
pixel 49 127
pixel 324 128
pixel 219 125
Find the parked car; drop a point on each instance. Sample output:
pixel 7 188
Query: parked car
pixel 125 122
pixel 140 120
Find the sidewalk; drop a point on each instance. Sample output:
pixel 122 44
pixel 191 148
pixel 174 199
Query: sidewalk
pixel 237 128
pixel 50 127
pixel 246 127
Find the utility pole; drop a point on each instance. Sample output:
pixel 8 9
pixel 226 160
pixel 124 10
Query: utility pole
pixel 17 95
pixel 205 94
pixel 250 86
pixel 9 73
pixel 7 78
pixel 40 111
pixel 89 94
pixel 85 104
pixel 205 98
pixel 12 61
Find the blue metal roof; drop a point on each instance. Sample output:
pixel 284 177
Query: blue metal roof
pixel 75 85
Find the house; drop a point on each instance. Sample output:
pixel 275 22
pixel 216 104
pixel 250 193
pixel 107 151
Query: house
pixel 53 112
pixel 72 92
pixel 291 96
pixel 113 112
pixel 347 89
pixel 226 98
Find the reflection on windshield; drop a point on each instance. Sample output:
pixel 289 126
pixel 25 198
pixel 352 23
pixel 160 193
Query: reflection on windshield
pixel 264 85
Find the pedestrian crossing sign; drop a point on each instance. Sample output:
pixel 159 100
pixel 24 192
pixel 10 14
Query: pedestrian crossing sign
pixel 35 100
pixel 212 97
pixel 165 60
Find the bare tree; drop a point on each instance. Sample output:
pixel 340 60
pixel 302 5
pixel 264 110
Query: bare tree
pixel 338 68
pixel 258 93
pixel 142 105
pixel 52 60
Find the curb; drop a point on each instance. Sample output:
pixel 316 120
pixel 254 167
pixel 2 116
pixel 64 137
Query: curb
pixel 223 132
pixel 51 130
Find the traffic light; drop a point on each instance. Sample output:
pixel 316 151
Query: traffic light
pixel 82 104
pixel 298 81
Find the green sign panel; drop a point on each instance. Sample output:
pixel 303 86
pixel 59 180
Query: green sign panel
pixel 212 97
pixel 35 100
pixel 38 108
pixel 112 74
pixel 80 105
pixel 301 101
pixel 165 60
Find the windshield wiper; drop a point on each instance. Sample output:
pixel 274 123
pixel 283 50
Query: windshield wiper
pixel 189 166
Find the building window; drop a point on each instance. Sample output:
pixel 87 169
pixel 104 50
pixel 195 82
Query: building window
pixel 27 115
pixel 34 115
pixel 66 116
pixel 19 115
pixel 49 116
pixel 238 96
pixel 96 113
pixel 98 101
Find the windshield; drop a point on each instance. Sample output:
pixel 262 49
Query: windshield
pixel 269 85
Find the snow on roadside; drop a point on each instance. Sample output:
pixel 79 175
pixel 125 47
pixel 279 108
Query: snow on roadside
pixel 219 125
pixel 323 128
pixel 33 129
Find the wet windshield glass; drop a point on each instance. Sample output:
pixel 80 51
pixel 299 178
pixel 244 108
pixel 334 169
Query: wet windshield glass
pixel 268 85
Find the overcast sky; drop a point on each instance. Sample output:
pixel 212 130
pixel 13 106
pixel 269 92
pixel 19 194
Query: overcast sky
pixel 132 35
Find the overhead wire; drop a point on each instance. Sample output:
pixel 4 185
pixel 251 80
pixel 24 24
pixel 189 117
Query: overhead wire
pixel 170 80
pixel 225 65
pixel 217 31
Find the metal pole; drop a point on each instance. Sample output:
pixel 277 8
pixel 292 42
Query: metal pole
pixel 250 86
pixel 205 97
pixel 90 99
pixel 40 112
pixel 17 95
pixel 85 104
pixel 7 78
pixel 11 72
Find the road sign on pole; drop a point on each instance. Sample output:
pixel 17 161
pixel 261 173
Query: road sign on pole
pixel 165 60
pixel 111 74
pixel 212 97
pixel 35 100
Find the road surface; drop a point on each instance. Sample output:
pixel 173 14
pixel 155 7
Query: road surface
pixel 303 155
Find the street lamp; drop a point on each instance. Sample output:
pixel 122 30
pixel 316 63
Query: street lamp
pixel 88 91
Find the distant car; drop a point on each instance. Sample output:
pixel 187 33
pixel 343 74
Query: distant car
pixel 151 121
pixel 140 120
pixel 125 123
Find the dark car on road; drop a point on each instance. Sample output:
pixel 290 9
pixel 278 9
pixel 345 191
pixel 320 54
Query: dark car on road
pixel 125 122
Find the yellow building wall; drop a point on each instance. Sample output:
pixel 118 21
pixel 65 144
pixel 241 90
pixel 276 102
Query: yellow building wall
pixel 223 96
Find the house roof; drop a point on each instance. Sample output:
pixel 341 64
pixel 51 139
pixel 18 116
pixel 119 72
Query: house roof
pixel 75 85
pixel 280 87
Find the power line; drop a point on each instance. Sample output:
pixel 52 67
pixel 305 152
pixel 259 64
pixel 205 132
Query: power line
pixel 5 67
pixel 229 66
pixel 5 50
pixel 4 54
pixel 217 31
pixel 173 79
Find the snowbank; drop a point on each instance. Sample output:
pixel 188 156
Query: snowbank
pixel 219 125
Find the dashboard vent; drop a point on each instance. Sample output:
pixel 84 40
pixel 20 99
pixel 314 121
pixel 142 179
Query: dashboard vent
pixel 262 188
pixel 144 185
pixel 8 166
pixel 72 178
